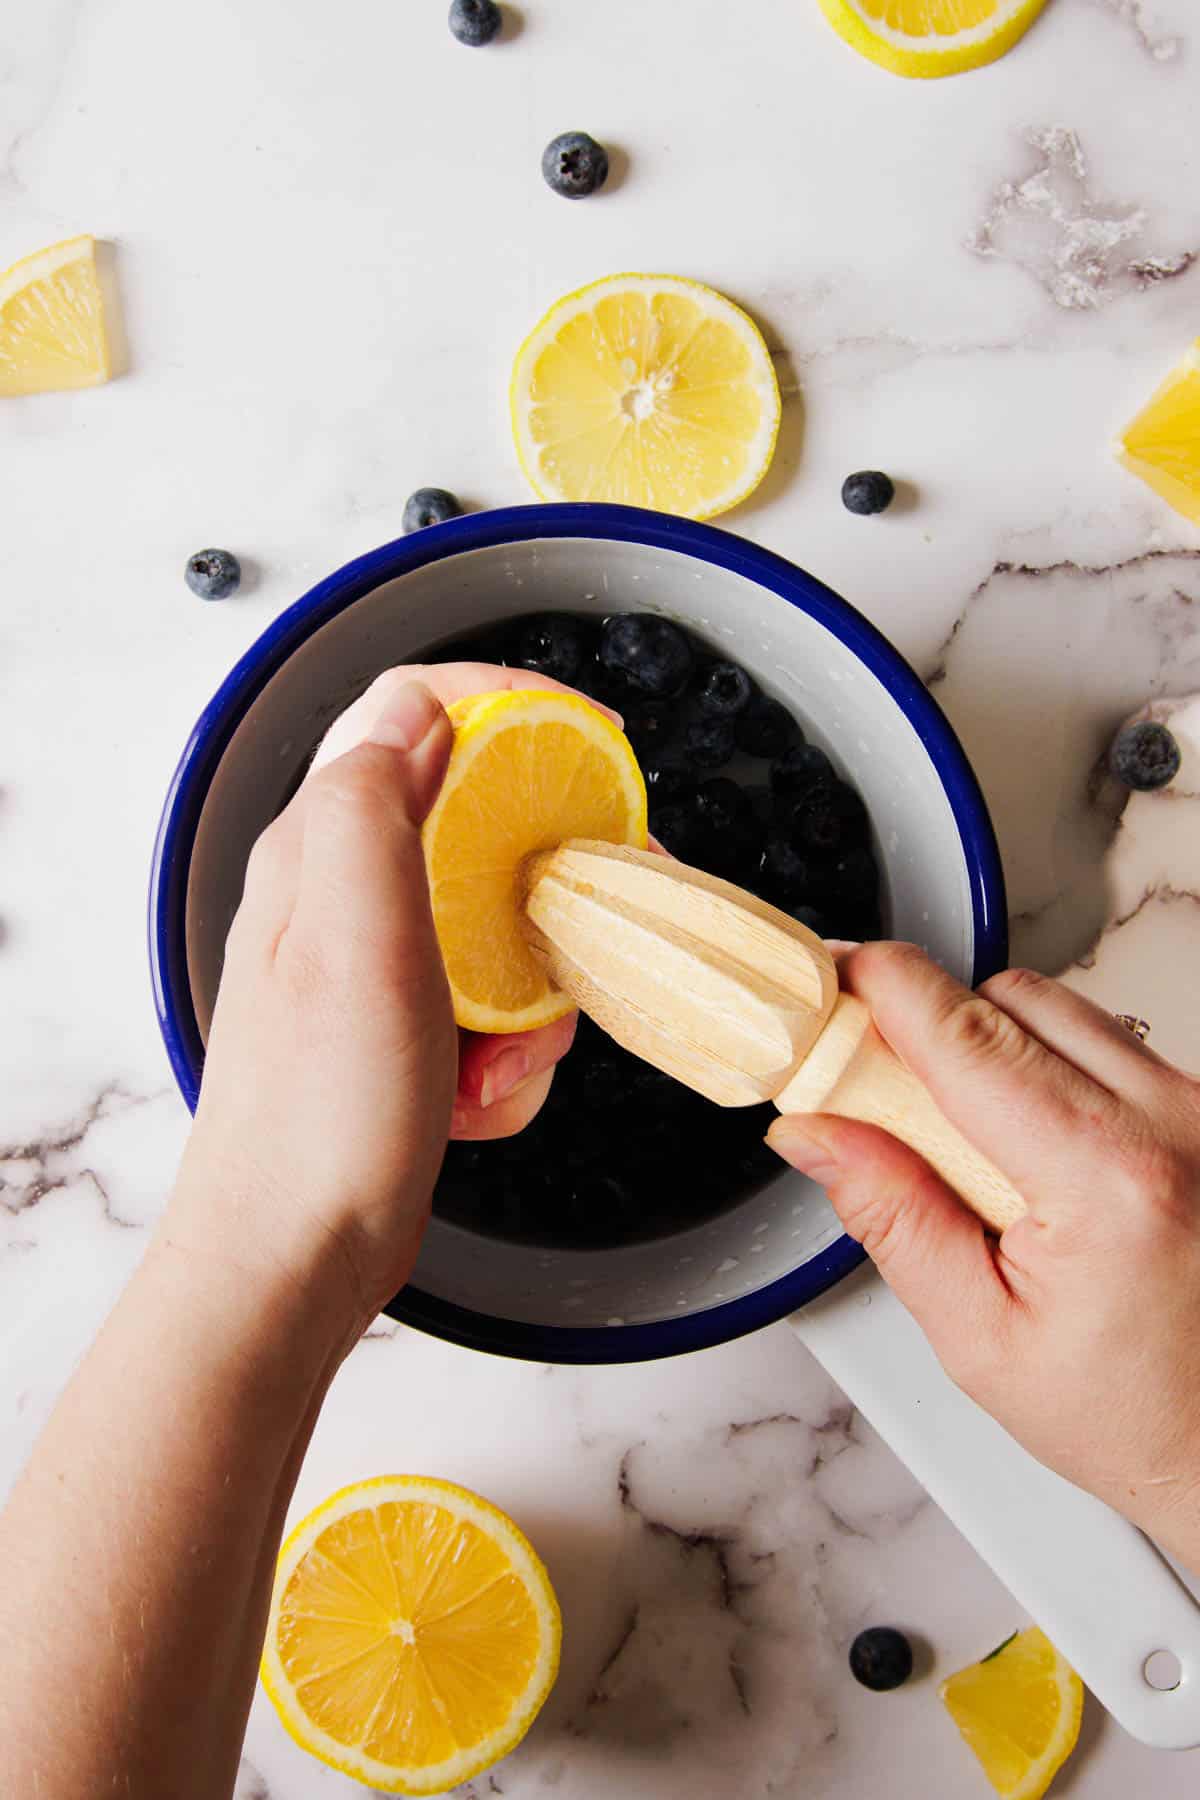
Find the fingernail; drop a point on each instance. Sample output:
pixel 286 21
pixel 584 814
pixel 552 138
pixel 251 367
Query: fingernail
pixel 805 1151
pixel 407 719
pixel 507 1072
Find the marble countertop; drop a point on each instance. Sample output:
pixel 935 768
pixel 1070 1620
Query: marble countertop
pixel 329 233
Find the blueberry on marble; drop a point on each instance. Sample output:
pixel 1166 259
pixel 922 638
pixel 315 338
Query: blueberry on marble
pixel 724 691
pixel 574 165
pixel 881 1658
pixel 552 644
pixel 1144 756
pixel 708 743
pixel 798 770
pixel 649 653
pixel 764 727
pixel 868 491
pixel 475 22
pixel 213 574
pixel 429 506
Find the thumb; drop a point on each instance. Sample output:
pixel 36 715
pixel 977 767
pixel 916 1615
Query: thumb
pixel 362 872
pixel 929 1248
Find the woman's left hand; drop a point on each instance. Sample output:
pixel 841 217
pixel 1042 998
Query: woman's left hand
pixel 502 1079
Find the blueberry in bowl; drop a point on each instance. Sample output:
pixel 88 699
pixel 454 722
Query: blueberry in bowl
pixel 716 1241
pixel 624 1137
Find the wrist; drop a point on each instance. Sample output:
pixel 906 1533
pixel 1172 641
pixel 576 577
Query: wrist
pixel 231 1227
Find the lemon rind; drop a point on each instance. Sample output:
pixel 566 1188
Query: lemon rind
pixel 919 59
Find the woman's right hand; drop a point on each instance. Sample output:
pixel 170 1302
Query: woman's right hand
pixel 1079 1330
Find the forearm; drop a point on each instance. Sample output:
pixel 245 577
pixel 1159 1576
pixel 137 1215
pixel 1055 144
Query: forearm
pixel 139 1545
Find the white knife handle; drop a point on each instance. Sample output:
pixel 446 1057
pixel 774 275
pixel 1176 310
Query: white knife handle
pixel 1098 1588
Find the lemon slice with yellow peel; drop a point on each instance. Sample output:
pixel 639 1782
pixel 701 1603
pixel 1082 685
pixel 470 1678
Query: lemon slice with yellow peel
pixel 924 38
pixel 1019 1710
pixel 646 389
pixel 1162 445
pixel 413 1634
pixel 529 768
pixel 52 321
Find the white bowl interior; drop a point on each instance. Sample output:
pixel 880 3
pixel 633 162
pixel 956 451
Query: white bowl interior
pixel 841 705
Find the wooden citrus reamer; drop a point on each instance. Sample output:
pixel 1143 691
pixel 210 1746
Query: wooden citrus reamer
pixel 735 999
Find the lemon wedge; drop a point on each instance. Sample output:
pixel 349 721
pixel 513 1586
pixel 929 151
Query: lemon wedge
pixel 413 1634
pixel 1019 1710
pixel 646 389
pixel 52 321
pixel 924 38
pixel 529 768
pixel 1162 445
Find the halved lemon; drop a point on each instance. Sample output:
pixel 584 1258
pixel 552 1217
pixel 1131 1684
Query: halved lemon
pixel 1162 445
pixel 529 768
pixel 414 1634
pixel 925 38
pixel 52 321
pixel 1019 1710
pixel 646 389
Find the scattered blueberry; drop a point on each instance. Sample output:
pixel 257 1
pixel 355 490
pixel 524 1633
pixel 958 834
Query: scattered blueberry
pixel 868 491
pixel 881 1658
pixel 429 506
pixel 475 22
pixel 1144 756
pixel 829 817
pixel 575 165
pixel 650 726
pixel 799 769
pixel 553 645
pixel 725 691
pixel 765 727
pixel 649 653
pixel 213 574
pixel 708 743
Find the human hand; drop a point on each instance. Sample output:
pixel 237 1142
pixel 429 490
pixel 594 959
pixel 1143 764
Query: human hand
pixel 1077 1329
pixel 503 1079
pixel 330 1070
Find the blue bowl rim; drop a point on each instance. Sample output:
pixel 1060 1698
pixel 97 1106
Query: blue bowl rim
pixel 213 730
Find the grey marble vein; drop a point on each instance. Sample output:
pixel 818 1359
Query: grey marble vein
pixel 1083 249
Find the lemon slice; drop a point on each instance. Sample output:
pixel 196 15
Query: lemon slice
pixel 413 1635
pixel 528 769
pixel 52 321
pixel 1019 1710
pixel 1163 443
pixel 924 38
pixel 646 389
